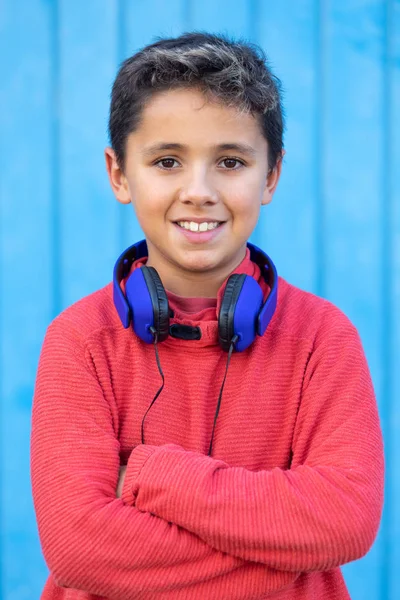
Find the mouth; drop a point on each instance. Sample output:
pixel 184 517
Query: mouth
pixel 196 233
pixel 201 227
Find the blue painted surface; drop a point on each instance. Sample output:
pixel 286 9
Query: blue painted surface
pixel 333 227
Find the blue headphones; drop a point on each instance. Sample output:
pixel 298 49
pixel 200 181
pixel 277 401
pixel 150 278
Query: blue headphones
pixel 243 313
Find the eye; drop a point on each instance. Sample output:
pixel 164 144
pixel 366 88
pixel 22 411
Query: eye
pixel 165 160
pixel 231 159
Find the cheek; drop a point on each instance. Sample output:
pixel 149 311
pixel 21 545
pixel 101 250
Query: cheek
pixel 246 204
pixel 148 197
pixel 246 193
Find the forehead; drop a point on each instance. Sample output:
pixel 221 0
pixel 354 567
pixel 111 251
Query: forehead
pixel 186 116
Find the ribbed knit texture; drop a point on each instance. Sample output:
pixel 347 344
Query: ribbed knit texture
pixel 294 486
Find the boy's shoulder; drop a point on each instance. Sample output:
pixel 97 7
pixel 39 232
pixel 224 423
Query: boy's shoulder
pixel 90 314
pixel 304 315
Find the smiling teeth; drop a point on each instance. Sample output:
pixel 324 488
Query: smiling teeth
pixel 198 226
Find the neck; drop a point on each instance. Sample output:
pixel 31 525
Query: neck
pixel 193 287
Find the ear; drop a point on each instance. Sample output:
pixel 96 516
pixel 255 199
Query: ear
pixel 272 180
pixel 118 181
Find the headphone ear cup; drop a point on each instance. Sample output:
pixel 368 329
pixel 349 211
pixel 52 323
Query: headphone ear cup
pixel 227 311
pixel 159 301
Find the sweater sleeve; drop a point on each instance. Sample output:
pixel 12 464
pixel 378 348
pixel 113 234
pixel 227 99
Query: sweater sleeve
pixel 90 539
pixel 322 512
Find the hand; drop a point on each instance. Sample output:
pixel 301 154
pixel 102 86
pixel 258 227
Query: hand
pixel 122 472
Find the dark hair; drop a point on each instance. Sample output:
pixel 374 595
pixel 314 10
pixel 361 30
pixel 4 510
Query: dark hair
pixel 234 73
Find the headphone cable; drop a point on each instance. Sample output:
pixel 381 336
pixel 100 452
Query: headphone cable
pixel 233 342
pixel 155 334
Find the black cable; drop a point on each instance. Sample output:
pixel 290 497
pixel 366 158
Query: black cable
pixel 154 332
pixel 233 342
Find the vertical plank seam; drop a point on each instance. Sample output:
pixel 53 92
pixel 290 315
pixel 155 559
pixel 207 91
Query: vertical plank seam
pixel 187 14
pixel 387 291
pixel 254 21
pixel 55 229
pixel 320 145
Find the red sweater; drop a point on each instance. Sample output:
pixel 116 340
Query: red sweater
pixel 294 486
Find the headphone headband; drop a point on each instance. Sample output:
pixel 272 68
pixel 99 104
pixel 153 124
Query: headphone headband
pixel 139 250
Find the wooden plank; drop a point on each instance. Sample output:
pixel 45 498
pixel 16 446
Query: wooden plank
pixel 354 204
pixel 88 210
pixel 287 229
pixel 27 182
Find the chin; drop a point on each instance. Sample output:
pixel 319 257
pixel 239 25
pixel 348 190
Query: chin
pixel 199 264
pixel 198 267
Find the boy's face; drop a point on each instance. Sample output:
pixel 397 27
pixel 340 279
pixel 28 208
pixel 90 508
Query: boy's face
pixel 196 181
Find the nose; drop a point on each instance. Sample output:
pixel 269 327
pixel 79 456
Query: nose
pixel 198 189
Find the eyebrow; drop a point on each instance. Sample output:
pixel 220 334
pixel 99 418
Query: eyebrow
pixel 238 147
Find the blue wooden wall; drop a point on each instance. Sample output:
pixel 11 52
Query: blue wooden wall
pixel 333 228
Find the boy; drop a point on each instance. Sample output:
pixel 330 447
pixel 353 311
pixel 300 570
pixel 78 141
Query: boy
pixel 257 469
